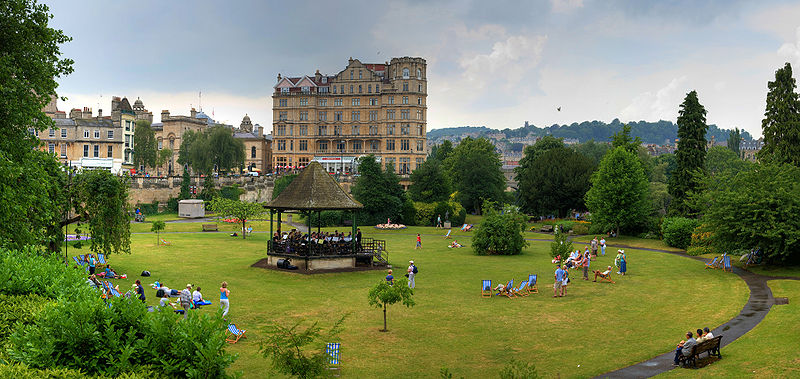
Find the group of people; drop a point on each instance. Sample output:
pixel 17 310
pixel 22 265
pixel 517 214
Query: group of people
pixel 684 348
pixel 582 261
pixel 324 243
pixel 411 274
pixel 188 299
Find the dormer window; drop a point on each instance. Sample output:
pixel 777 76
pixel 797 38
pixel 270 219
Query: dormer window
pixel 285 90
pixel 405 73
pixel 306 89
pixel 324 79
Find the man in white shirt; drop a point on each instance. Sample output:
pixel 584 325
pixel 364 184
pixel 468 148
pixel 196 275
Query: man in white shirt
pixel 411 274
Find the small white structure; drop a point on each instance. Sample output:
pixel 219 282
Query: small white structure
pixel 191 208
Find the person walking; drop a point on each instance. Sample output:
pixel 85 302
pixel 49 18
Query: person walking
pixel 412 272
pixel 603 246
pixel 439 221
pixel 224 292
pixel 559 281
pixel 186 300
pixel 419 242
pixel 390 278
pixel 565 281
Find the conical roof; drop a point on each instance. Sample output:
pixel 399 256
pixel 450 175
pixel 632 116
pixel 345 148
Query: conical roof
pixel 313 189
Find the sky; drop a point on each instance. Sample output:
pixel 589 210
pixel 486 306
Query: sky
pixel 495 63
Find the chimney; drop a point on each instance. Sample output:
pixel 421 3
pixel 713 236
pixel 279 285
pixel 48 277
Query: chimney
pixel 164 115
pixel 279 77
pixel 194 113
pixel 99 113
pixel 318 76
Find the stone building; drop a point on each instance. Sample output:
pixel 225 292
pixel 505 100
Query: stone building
pixel 366 108
pixel 169 134
pixel 122 115
pixel 257 146
pixel 749 149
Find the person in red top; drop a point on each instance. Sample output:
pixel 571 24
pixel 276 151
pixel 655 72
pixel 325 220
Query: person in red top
pixel 419 242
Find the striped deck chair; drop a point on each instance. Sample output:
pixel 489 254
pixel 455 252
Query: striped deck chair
pixel 164 242
pixel 726 264
pixel 101 259
pixel 332 351
pixel 233 334
pixel 446 236
pixel 486 288
pixel 508 290
pixel 83 258
pixel 78 261
pixel 713 263
pixel 522 290
pixel 532 286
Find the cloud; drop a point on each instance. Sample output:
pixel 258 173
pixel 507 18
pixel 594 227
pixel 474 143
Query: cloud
pixel 565 6
pixel 791 51
pixel 659 105
pixel 507 62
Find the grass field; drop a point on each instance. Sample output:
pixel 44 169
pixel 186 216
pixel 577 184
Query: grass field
pixel 451 326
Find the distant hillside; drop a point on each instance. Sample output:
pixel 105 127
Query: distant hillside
pixel 650 132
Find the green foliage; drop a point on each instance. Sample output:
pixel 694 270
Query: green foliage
pixel 533 152
pixel 231 192
pixel 383 294
pixel 500 233
pixel 429 183
pixel 781 124
pixel 328 218
pixel 186 182
pixel 240 210
pixel 555 182
pixel 299 352
pixel 677 231
pixel 22 371
pixel 519 370
pixel 623 139
pixel 20 309
pixel 579 229
pixel 425 213
pixel 734 141
pixel 209 191
pixel 158 227
pixel 408 214
pixel 592 150
pixel 164 156
pixel 441 151
pixel 720 159
pixel 379 191
pixel 474 169
pixel 618 197
pixel 757 207
pixel 663 166
pixel 561 245
pixel 101 199
pixel 659 199
pixel 145 145
pixel 690 156
pixel 215 148
pixel 281 184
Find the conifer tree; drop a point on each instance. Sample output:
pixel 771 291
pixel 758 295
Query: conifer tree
pixel 781 124
pixel 734 140
pixel 690 155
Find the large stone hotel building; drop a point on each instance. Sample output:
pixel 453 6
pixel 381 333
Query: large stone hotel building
pixel 366 108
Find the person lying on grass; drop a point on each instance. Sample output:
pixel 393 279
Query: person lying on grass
pixel 455 244
pixel 603 274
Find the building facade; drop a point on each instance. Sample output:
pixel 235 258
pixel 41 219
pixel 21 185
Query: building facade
pixel 378 109
pixel 257 146
pixel 169 134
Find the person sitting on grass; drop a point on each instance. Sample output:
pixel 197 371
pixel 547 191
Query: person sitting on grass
pixel 390 278
pixel 165 302
pixel 197 298
pixel 110 274
pixel 603 274
pixel 455 244
pixel 94 282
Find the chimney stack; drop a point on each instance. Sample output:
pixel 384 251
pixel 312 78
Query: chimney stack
pixel 194 113
pixel 164 115
pixel 318 75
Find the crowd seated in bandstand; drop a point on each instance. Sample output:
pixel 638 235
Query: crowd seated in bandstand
pixel 316 243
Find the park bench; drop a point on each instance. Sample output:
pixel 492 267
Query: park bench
pixel 546 228
pixel 711 347
pixel 210 227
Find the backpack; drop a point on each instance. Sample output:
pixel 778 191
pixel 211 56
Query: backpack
pixel 414 270
pixel 145 273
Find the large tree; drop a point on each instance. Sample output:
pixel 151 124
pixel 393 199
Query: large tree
pixel 592 150
pixel 618 199
pixel 379 191
pixel 720 159
pixel 781 124
pixel 474 169
pixel 236 209
pixel 429 183
pixel 144 139
pixel 734 141
pixel 555 182
pixel 101 200
pixel 213 149
pixel 441 151
pixel 690 156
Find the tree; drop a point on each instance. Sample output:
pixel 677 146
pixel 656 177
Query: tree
pixel 734 140
pixel 720 159
pixel 555 182
pixel 226 152
pixel 296 352
pixel 690 155
pixel 164 156
pixel 441 151
pixel 781 124
pixel 618 197
pixel 663 166
pixel 561 245
pixel 592 150
pixel 101 199
pixel 144 139
pixel 623 139
pixel 281 184
pixel 500 233
pixel 239 210
pixel 379 191
pixel 532 152
pixel 186 182
pixel 474 170
pixel 209 191
pixel 429 183
pixel 184 151
pixel 756 208
pixel 384 294
pixel 157 227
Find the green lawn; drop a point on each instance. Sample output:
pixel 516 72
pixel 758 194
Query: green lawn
pixel 767 351
pixel 628 241
pixel 451 325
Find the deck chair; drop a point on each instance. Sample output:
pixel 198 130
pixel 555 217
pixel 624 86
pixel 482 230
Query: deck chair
pixel 101 259
pixel 604 278
pixel 163 241
pixel 332 352
pixel 726 264
pixel 532 286
pixel 78 261
pixel 83 258
pixel 522 290
pixel 446 236
pixel 464 227
pixel 509 292
pixel 233 334
pixel 486 288
pixel 713 263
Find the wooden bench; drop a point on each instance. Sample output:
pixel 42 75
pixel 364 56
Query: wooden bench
pixel 546 228
pixel 711 347
pixel 210 227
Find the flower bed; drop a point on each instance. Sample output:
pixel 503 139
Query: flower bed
pixel 390 226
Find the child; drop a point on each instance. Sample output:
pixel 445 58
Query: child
pixel 419 242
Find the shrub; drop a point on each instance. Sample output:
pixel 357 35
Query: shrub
pixel 580 228
pixel 500 233
pixel 21 309
pixel 701 242
pixel 424 213
pixel 561 245
pixel 409 212
pixel 677 231
pixel 172 204
pixel 148 208
pixel 231 192
pixel 519 370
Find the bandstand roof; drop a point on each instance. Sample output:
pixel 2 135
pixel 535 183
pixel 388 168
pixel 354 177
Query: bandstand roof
pixel 313 189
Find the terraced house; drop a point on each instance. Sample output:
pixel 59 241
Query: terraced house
pixel 367 108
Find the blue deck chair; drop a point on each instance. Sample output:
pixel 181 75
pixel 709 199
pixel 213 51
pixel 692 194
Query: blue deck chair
pixel 83 258
pixel 486 288
pixel 78 261
pixel 522 290
pixel 233 334
pixel 508 291
pixel 446 236
pixel 532 286
pixel 332 351
pixel 713 263
pixel 726 263
pixel 101 259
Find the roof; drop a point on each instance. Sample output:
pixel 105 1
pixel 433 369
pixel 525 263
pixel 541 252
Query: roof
pixel 93 122
pixel 313 189
pixel 245 135
pixel 64 122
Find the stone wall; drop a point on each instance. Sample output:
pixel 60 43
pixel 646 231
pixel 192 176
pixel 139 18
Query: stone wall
pixel 149 190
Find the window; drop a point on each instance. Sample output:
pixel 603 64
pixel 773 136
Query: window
pixel 304 116
pixel 355 116
pixel 351 89
pixel 340 146
pixel 405 166
pixel 420 131
pixel 390 144
pixel 285 90
pixel 172 144
pixel 303 161
pixel 323 116
pixel 419 74
pixel 51 147
pixel 85 133
pixel 419 145
pixel 374 145
pixel 303 145
pixel 342 89
pixel 334 89
pixel 63 150
pixel 280 130
pixel 360 76
pixel 291 147
pixel 282 116
pixel 377 88
pixel 391 100
pixel 281 144
pixel 356 146
pixel 127 126
pixel 86 150
pixel 305 89
pixel 110 134
pixel 404 114
pixel 110 151
pixel 359 88
pixel 405 73
pixel 369 88
pixel 390 164
pixel 373 130
pixel 160 144
pixel 390 129
pixel 390 115
pixel 356 102
pixel 419 101
pixel 405 87
pixel 34 132
pixel 52 132
pixel 323 102
pixel 303 101
pixel 97 134
pixel 405 100
pixel 355 130
pixel 337 116
pixel 373 101
pixel 373 115
pixel 337 102
pixel 303 130
pixel 337 130
pixel 323 130
pixel 419 115
pixel 404 145
pixel 323 146
pixel 252 151
pixel 63 133
pixel 322 89
pixel 128 142
pixel 404 129
pixel 351 74
pixel 419 87
pixel 282 102
pixel 96 151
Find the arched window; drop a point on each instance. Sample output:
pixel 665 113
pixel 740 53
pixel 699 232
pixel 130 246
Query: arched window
pixel 252 152
pixel 405 73
pixel 419 74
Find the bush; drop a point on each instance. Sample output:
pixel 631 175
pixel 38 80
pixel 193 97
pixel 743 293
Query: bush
pixel 148 208
pixel 425 215
pixel 21 309
pixel 409 212
pixel 172 205
pixel 701 242
pixel 327 218
pixel 231 192
pixel 579 228
pixel 500 233
pixel 677 231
